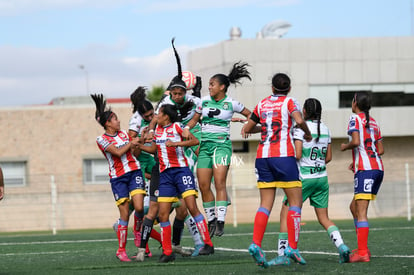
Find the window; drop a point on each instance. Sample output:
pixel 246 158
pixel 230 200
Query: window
pixel 379 99
pixel 95 171
pixel 240 146
pixel 14 173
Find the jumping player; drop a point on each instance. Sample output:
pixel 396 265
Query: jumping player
pixel 124 169
pixel 176 179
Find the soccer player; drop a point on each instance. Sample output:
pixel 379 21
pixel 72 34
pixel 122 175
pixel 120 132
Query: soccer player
pixel 365 141
pixel 124 169
pixel 176 179
pixel 143 113
pixel 312 158
pixel 276 164
pixel 215 148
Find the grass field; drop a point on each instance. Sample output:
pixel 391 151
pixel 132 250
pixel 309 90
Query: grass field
pixel 391 242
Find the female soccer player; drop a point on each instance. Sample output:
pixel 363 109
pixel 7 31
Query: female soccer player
pixel 124 169
pixel 176 179
pixel 216 149
pixel 276 164
pixel 312 158
pixel 365 140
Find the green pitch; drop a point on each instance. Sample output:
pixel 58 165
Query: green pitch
pixel 93 252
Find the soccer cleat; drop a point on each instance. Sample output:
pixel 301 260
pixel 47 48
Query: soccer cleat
pixel 122 256
pixel 140 255
pixel 137 238
pixel 356 258
pixel 148 254
pixel 294 255
pixel 166 258
pixel 178 249
pixel 206 250
pixel 212 227
pixel 197 249
pixel 258 255
pixel 219 229
pixel 279 260
pixel 343 253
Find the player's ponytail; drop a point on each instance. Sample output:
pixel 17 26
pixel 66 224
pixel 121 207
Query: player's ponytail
pixel 139 103
pixel 313 111
pixel 102 114
pixel 238 72
pixel 176 113
pixel 177 81
pixel 363 102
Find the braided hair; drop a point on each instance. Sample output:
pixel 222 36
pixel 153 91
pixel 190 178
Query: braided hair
pixel 363 102
pixel 238 71
pixel 102 114
pixel 313 111
pixel 140 104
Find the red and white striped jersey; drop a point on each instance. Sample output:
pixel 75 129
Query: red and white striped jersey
pixel 365 156
pixel 274 114
pixel 118 166
pixel 170 156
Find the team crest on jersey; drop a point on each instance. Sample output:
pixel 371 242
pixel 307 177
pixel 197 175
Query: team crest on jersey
pixel 226 106
pixel 170 132
pixel 352 124
pixel 122 135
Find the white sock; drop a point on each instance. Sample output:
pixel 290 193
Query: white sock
pixel 192 228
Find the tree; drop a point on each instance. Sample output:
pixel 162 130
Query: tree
pixel 156 93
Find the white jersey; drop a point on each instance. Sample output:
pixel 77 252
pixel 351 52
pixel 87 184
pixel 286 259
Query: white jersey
pixel 312 164
pixel 137 123
pixel 216 118
pixel 196 108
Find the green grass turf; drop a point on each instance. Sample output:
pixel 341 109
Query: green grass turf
pixel 391 243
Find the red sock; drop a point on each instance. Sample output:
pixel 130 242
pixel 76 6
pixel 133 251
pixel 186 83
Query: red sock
pixel 260 223
pixel 293 226
pixel 155 235
pixel 166 238
pixel 147 249
pixel 122 234
pixel 362 237
pixel 202 228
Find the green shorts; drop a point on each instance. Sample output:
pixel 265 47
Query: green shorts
pixel 214 154
pixel 146 162
pixel 317 190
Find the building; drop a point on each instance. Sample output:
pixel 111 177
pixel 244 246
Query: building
pixel 56 177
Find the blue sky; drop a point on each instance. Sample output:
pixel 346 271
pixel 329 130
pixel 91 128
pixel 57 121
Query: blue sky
pixel 126 43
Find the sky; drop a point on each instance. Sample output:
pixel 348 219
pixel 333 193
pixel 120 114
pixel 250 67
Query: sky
pixel 62 48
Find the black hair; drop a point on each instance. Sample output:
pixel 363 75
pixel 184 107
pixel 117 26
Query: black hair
pixel 313 111
pixel 139 102
pixel 176 113
pixel 281 83
pixel 102 114
pixel 363 102
pixel 177 81
pixel 238 71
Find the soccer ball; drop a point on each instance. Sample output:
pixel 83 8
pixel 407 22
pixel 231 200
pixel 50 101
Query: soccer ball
pixel 190 79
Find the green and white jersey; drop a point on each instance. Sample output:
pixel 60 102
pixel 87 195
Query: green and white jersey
pixel 137 123
pixel 312 164
pixel 216 118
pixel 196 108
